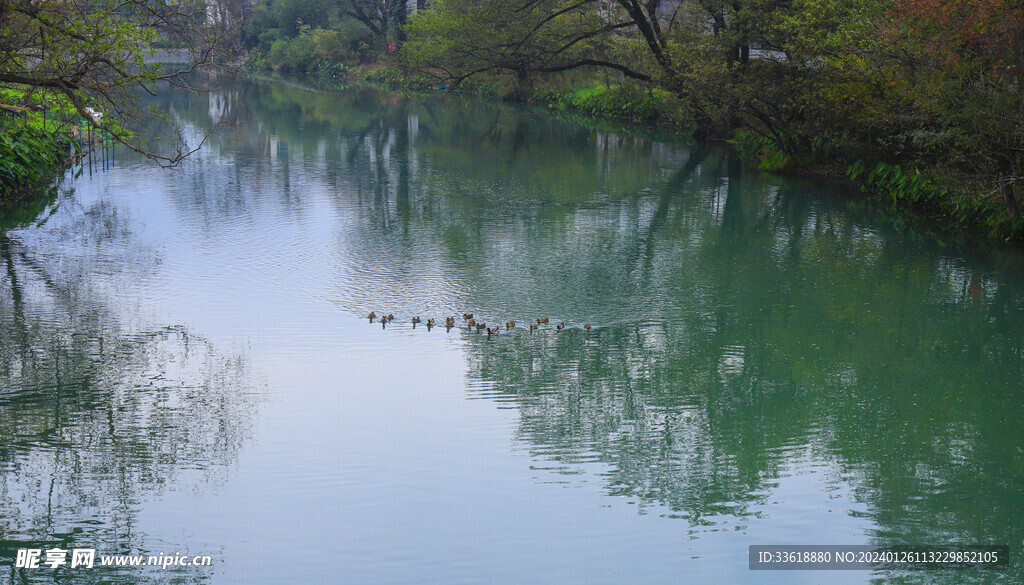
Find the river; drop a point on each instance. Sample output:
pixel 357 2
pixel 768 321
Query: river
pixel 187 366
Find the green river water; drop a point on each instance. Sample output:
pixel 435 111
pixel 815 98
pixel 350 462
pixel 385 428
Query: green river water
pixel 186 365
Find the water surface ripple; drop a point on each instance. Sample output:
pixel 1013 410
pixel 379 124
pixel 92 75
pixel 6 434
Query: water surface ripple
pixel 186 362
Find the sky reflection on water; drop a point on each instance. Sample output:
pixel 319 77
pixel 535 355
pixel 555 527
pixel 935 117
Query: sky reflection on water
pixel 185 362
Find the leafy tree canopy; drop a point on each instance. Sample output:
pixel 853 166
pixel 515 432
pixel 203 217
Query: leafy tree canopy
pixel 97 54
pixel 462 38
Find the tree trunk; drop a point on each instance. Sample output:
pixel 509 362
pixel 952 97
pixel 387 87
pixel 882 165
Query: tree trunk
pixel 524 84
pixel 398 18
pixel 1010 202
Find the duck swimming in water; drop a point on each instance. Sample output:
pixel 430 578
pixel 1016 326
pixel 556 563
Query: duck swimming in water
pixel 372 315
pixel 415 319
pixel 467 316
pixel 492 331
pixel 560 326
pixel 544 320
pixel 510 324
pixel 587 326
pixel 533 327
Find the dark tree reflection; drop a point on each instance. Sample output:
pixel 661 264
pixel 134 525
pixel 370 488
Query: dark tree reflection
pixel 741 325
pixel 97 413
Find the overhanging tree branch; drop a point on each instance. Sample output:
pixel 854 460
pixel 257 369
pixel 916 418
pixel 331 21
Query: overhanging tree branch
pixel 596 63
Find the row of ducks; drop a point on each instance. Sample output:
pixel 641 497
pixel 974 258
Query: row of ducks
pixel 449 322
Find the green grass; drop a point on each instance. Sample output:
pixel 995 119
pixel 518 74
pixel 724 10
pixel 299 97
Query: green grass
pixel 34 144
pixel 622 102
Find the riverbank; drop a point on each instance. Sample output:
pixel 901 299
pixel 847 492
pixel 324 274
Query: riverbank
pixel 31 156
pixel 194 343
pixel 40 137
pixel 948 201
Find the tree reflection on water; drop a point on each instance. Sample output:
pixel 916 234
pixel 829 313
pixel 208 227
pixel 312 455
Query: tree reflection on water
pixel 99 414
pixel 742 326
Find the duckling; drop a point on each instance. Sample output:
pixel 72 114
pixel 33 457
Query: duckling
pixel 372 315
pixel 586 326
pixel 471 323
pixel 560 326
pixel 480 326
pixel 544 320
pixel 510 324
pixel 416 320
pixel 467 316
pixel 491 332
pixel 533 327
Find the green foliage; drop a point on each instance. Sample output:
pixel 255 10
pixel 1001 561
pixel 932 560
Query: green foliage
pixel 296 36
pixel 296 54
pixel 752 146
pixel 397 80
pixel 902 187
pixel 626 102
pixel 29 157
pixel 285 18
pixel 51 111
pixel 38 143
pixel 50 101
pixel 897 183
pixel 323 51
pixel 517 39
pixel 765 151
pixel 98 57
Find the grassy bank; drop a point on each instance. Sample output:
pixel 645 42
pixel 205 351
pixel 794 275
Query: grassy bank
pixel 628 103
pixel 950 201
pixel 39 137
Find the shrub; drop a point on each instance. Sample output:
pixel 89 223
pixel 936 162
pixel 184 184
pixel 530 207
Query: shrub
pixel 29 157
pixel 627 102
